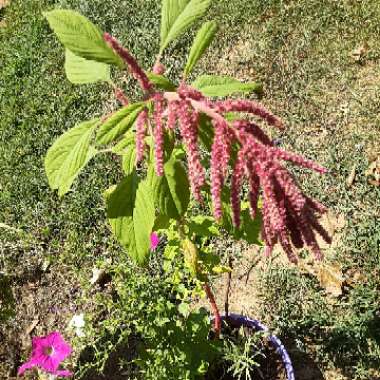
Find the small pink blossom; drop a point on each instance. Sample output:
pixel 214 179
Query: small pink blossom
pixel 47 353
pixel 154 241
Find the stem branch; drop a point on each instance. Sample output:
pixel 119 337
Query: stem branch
pixel 215 310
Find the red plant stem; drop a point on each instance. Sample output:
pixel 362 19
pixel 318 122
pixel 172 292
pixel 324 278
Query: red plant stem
pixel 120 96
pixel 215 310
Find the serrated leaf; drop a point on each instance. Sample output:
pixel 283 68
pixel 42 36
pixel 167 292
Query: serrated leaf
pixel 81 71
pixel 202 225
pixel 215 85
pixel 143 220
pixel 249 229
pixel 206 131
pixel 124 144
pixel 177 17
pixel 120 203
pixel 68 155
pixel 118 123
pixel 81 36
pixel 126 148
pixel 171 192
pixel 171 9
pixel 131 213
pixel 128 161
pixel 161 82
pixel 201 42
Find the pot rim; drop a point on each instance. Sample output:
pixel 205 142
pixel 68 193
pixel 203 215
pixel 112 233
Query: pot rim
pixel 280 348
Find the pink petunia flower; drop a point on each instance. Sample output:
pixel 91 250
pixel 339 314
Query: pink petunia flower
pixel 47 353
pixel 154 241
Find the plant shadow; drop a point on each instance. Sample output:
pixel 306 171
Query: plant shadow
pixel 304 366
pixel 113 368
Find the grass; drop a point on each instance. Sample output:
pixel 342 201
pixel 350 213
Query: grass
pixel 302 52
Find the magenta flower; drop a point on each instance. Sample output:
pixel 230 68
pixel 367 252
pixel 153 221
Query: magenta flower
pixel 47 353
pixel 154 241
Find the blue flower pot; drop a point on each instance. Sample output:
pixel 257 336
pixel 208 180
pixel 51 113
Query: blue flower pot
pixel 236 320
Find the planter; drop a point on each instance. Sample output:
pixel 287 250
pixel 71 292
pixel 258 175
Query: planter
pixel 236 320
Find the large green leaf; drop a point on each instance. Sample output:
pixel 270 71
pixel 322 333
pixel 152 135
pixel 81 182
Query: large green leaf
pixel 206 131
pixel 161 82
pixel 118 123
pixel 68 155
pixel 80 70
pixel 171 192
pixel 131 213
pixel 120 204
pixel 202 225
pixel 215 85
pixel 81 36
pixel 143 220
pixel 127 149
pixel 202 41
pixel 249 229
pixel 177 17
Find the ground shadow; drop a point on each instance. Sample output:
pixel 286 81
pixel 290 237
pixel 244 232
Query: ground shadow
pixel 113 369
pixel 304 366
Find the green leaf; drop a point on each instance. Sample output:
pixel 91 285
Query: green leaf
pixel 80 70
pixel 161 82
pixel 250 229
pixel 81 36
pixel 214 85
pixel 68 155
pixel 206 131
pixel 118 123
pixel 202 41
pixel 120 204
pixel 201 225
pixel 171 192
pixel 177 17
pixel 131 214
pixel 127 149
pixel 143 220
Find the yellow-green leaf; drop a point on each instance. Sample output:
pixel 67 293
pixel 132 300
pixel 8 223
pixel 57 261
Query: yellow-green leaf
pixel 177 17
pixel 80 70
pixel 201 42
pixel 118 123
pixel 68 155
pixel 81 36
pixel 215 85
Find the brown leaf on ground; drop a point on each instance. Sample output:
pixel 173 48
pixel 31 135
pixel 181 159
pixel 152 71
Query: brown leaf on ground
pixel 4 3
pixel 351 178
pixel 32 326
pixel 354 276
pixel 331 278
pixel 373 172
pixel 359 53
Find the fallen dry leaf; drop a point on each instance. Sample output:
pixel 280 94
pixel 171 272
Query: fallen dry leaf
pixel 331 278
pixel 97 275
pixel 4 3
pixel 360 52
pixel 351 178
pixel 373 172
pixel 354 276
pixel 32 326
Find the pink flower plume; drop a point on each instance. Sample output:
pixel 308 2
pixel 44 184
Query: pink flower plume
pixel 154 241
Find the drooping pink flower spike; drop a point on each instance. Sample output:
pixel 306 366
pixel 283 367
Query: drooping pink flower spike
pixel 48 353
pixel 154 241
